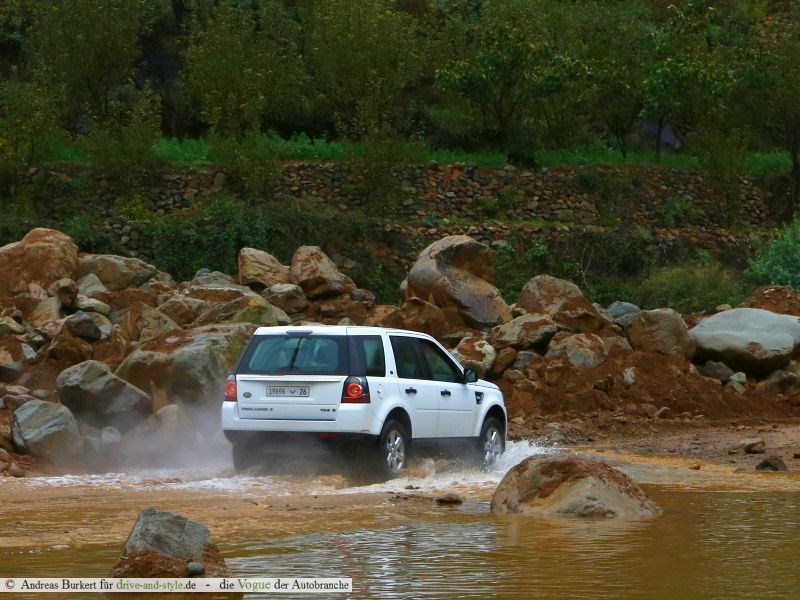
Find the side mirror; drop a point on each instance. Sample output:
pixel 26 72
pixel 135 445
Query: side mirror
pixel 470 376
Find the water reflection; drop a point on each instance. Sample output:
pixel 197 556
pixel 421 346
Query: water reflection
pixel 707 545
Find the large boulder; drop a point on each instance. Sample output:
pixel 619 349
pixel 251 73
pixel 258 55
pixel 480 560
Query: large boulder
pixel 116 272
pixel 563 302
pixel 164 544
pixel 48 430
pixel 189 366
pixel 663 331
pixel 250 308
pixel 526 331
pixel 748 339
pixel 417 315
pixel 97 396
pixel 453 274
pixel 257 266
pixel 144 323
pixel 474 352
pixel 584 350
pixel 570 486
pixel 317 274
pixel 183 309
pixel 287 296
pixel 42 257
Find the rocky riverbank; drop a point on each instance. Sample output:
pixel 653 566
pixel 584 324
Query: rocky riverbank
pixel 107 363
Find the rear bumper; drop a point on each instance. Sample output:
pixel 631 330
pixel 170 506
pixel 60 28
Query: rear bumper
pixel 352 418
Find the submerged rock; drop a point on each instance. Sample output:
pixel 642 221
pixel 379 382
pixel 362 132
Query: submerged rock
pixel 164 544
pixel 570 486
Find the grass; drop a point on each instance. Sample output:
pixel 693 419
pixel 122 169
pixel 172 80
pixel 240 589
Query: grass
pixel 198 152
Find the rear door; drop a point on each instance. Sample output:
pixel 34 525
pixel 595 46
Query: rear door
pixel 414 386
pixel 294 376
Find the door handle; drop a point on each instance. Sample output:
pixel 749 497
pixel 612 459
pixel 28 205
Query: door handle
pixel 445 392
pixel 411 391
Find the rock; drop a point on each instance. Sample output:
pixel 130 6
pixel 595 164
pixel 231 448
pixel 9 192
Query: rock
pixel 250 308
pixel 97 396
pixel 67 347
pixel 116 272
pixel 163 544
pixel 524 360
pixel 257 266
pixel 144 323
pixel 65 290
pixel 570 486
pixel 752 446
pixel 527 331
pixel 449 499
pixel 10 371
pixel 738 381
pixel 9 326
pixel 475 353
pixel 622 313
pixel 47 311
pixel 92 305
pixel 748 339
pixel 563 302
pixel 190 366
pixel 48 430
pixel 772 463
pixel 629 376
pixel 184 310
pixel 505 358
pixel 584 350
pixel 90 284
pixel 662 412
pixel 662 331
pixel 195 569
pixel 453 274
pixel 83 326
pixel 717 370
pixel 15 470
pixel 780 382
pixel 41 257
pixel 317 274
pixel 287 296
pixel 14 401
pixel 418 315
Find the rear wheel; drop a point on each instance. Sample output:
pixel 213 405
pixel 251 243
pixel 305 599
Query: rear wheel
pixel 245 457
pixel 491 442
pixel 393 448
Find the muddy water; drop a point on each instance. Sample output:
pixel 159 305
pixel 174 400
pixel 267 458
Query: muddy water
pixel 723 535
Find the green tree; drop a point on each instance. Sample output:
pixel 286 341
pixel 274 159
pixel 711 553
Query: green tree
pixel 363 56
pixel 244 65
pixel 86 50
pixel 28 128
pixel 511 66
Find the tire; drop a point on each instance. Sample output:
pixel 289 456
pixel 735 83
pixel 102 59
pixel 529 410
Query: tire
pixel 491 443
pixel 245 457
pixel 392 454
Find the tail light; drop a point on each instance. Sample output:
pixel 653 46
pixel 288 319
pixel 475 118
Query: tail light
pixel 230 389
pixel 355 391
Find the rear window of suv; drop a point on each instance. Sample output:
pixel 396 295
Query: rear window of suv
pixel 296 354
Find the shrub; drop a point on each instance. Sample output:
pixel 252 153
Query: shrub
pixel 680 210
pixel 692 287
pixel 778 261
pixel 250 159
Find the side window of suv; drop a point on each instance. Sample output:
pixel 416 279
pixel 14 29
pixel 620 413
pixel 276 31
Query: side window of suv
pixel 441 367
pixel 369 350
pixel 406 358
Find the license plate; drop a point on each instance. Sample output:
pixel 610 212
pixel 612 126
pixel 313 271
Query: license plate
pixel 291 391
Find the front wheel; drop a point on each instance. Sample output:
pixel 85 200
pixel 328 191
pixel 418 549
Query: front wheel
pixel 393 448
pixel 491 443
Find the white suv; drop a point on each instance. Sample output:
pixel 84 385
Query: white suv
pixel 327 386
